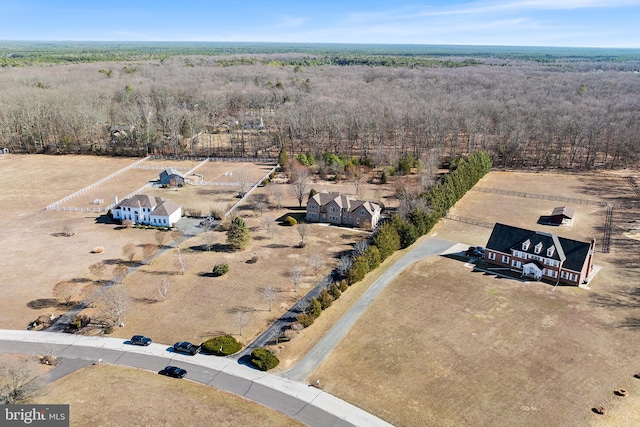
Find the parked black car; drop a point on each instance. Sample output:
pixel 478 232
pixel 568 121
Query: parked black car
pixel 173 371
pixel 186 347
pixel 475 251
pixel 140 340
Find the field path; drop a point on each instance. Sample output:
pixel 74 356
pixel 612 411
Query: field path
pixel 427 246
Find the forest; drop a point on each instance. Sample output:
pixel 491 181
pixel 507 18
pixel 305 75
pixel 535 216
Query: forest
pixel 527 108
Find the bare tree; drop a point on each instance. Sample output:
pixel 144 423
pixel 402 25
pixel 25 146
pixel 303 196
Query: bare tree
pixel 241 318
pixel 278 331
pixel 303 230
pixel 18 381
pixel 278 195
pixel 355 177
pixel 67 230
pixel 148 251
pixel 163 287
pixel 344 265
pixel 98 269
pixel 65 291
pixel 270 294
pixel 161 237
pixel 316 262
pixel 260 203
pixel 129 252
pixel 208 240
pixel 300 181
pixel 296 276
pixel 359 247
pixel 178 260
pixel 119 273
pixel 243 181
pixel 115 304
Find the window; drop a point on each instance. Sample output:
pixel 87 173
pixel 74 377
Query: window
pixel 538 248
pixel 362 212
pixel 491 256
pixel 525 245
pixel 505 259
pixel 516 264
pixel 550 251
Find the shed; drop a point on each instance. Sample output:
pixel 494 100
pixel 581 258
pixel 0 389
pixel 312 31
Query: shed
pixel 172 177
pixel 562 215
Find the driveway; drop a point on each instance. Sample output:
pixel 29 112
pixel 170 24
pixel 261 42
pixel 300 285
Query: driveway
pixel 427 246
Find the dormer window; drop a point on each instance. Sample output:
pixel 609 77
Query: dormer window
pixel 538 248
pixel 525 245
pixel 550 251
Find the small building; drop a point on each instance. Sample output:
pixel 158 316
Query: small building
pixel 255 123
pixel 341 209
pixel 562 215
pixel 144 209
pixel 171 178
pixel 540 255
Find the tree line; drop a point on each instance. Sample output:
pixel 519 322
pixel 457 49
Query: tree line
pixel 579 114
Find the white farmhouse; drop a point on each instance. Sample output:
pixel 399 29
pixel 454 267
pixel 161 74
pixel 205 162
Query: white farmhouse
pixel 144 209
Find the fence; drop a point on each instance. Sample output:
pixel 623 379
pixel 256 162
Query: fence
pixel 248 193
pixel 540 196
pixel 55 205
pixel 608 225
pixel 470 221
pixel 218 159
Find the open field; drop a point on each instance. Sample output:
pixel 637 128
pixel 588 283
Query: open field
pixel 146 398
pixel 443 345
pixel 36 256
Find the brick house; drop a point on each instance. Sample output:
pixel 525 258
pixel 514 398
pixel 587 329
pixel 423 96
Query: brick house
pixel 341 209
pixel 144 209
pixel 540 255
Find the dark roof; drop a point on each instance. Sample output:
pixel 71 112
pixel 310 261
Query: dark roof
pixel 504 238
pixel 564 211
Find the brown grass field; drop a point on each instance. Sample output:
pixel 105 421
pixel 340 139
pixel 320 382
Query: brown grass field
pixel 144 398
pixel 444 345
pixel 441 346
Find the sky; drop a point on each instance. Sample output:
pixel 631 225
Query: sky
pixel 569 23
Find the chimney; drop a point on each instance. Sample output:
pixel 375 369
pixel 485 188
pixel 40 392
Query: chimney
pixel 115 200
pixel 592 250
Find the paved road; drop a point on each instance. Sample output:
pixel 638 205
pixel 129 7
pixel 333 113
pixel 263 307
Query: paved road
pixel 309 405
pixel 425 247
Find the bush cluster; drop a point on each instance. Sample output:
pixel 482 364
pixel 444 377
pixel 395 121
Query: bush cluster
pixel 264 359
pixel 220 269
pixel 223 345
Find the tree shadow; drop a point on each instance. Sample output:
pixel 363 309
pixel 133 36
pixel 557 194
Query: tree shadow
pixel 276 246
pixel 146 300
pixel 39 304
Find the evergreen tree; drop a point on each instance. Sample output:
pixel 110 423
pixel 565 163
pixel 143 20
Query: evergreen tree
pixel 238 235
pixel 386 240
pixel 283 158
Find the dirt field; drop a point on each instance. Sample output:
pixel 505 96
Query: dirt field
pixel 146 398
pixel 446 346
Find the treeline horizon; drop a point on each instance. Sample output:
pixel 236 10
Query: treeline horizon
pixel 545 112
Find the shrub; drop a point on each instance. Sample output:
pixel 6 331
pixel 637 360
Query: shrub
pixel 80 322
pixel 289 220
pixel 305 319
pixel 127 223
pixel 97 250
pixel 108 330
pixel 223 345
pixel 325 299
pixel 264 359
pixel 220 269
pixel 315 308
pixel 335 291
pixel 343 285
